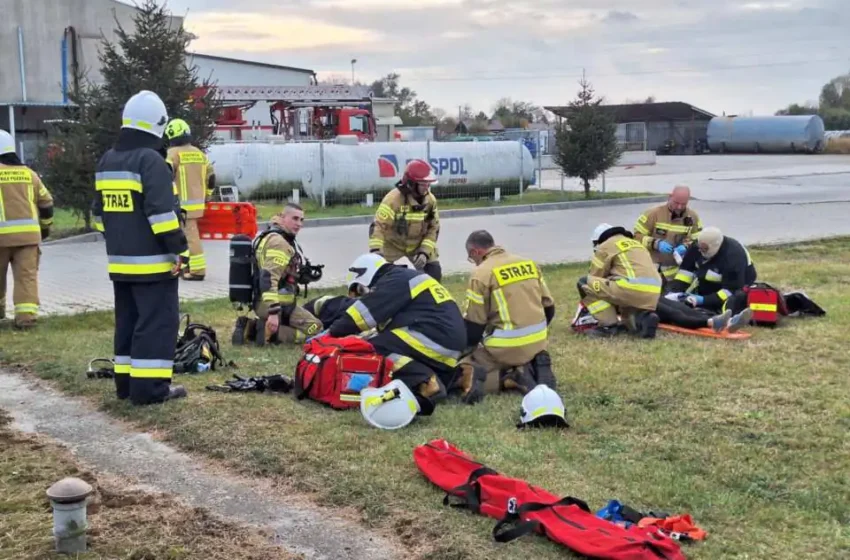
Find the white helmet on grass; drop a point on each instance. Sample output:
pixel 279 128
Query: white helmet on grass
pixel 390 407
pixel 542 407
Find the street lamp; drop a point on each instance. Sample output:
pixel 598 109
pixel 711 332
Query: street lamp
pixel 353 61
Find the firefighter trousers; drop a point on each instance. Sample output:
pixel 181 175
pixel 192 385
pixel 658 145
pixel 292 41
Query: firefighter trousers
pixel 682 315
pixel 604 298
pixel 24 261
pixel 736 303
pixel 421 375
pixel 146 326
pixel 300 325
pixel 197 259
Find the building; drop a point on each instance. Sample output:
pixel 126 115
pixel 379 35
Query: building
pixel 674 126
pixel 43 41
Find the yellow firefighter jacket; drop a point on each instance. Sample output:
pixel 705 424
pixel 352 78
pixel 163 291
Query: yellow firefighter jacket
pixel 402 227
pixel 192 171
pixel 277 263
pixel 507 294
pixel 26 206
pixel 657 224
pixel 628 265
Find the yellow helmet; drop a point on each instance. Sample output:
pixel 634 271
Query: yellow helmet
pixel 177 128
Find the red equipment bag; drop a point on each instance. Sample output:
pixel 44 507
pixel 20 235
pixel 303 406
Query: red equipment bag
pixel 522 509
pixel 766 303
pixel 334 371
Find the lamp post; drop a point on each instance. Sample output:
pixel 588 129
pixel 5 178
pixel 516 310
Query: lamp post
pixel 353 61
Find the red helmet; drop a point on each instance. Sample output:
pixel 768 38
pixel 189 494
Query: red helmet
pixel 418 171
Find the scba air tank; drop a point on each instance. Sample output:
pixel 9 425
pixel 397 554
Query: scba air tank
pixel 241 284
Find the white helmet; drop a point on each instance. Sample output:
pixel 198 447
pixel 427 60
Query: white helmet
pixel 363 270
pixel 389 407
pixel 600 229
pixel 145 111
pixel 7 143
pixel 542 407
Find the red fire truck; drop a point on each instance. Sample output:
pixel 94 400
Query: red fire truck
pixel 299 112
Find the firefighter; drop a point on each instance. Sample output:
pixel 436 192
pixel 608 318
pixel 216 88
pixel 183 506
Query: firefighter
pixel 407 222
pixel 508 310
pixel 721 267
pixel 146 248
pixel 668 230
pixel 278 260
pixel 194 179
pixel 622 278
pixel 26 213
pixel 419 325
pixel 328 308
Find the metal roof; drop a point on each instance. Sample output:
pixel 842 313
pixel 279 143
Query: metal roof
pixel 647 112
pixel 54 104
pixel 252 63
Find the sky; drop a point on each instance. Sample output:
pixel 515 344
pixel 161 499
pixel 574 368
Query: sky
pixel 720 55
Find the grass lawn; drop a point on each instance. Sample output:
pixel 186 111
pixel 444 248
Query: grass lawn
pixel 749 437
pixel 122 523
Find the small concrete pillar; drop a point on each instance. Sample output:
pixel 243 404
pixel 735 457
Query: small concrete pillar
pixel 68 498
pixel 497 194
pixel 370 200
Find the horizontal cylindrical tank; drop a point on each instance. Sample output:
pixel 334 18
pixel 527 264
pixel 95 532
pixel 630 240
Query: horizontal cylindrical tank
pixel 462 169
pixel 777 134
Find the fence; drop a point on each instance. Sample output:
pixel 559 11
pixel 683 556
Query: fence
pixel 632 136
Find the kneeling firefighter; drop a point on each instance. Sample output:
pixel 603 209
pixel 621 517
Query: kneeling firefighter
pixel 508 311
pixel 622 278
pixel 277 267
pixel 407 222
pixel 419 325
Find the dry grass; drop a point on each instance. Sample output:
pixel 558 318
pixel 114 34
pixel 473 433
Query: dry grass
pixel 123 524
pixel 837 146
pixel 749 437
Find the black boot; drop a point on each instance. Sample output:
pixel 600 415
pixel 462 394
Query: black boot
pixel 541 368
pixel 469 382
pixel 517 379
pixel 238 338
pixel 609 331
pixel 647 323
pixel 176 392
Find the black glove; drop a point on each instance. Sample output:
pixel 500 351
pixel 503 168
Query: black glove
pixel 45 233
pixel 275 383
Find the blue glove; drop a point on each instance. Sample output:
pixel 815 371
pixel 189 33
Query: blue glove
pixel 681 250
pixel 665 247
pixel 695 300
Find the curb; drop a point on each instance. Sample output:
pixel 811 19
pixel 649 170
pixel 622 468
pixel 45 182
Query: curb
pixel 458 213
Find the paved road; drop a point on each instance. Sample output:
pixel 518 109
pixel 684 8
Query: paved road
pixel 73 277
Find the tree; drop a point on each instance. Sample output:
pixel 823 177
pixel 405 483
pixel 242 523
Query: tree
pixel 586 144
pixel 516 114
pixel 152 57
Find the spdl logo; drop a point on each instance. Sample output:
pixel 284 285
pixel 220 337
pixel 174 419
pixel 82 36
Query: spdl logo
pixel 388 166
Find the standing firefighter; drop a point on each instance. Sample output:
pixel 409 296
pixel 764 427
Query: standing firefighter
pixel 407 222
pixel 508 310
pixel 26 213
pixel 195 180
pixel 146 248
pixel 669 230
pixel 622 279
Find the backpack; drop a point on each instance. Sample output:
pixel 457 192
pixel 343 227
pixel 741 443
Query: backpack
pixel 197 349
pixel 523 508
pixel 333 371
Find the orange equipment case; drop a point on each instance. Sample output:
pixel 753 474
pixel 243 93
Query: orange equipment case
pixel 223 220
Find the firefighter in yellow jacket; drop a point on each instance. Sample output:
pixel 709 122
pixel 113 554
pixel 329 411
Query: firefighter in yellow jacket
pixel 278 258
pixel 622 279
pixel 507 313
pixel 26 213
pixel 668 230
pixel 194 179
pixel 407 222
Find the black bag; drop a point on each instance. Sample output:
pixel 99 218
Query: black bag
pixel 197 345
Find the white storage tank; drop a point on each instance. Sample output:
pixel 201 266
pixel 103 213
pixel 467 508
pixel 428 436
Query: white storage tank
pixel 776 134
pixel 462 168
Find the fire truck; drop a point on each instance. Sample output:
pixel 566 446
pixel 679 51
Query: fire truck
pixel 299 112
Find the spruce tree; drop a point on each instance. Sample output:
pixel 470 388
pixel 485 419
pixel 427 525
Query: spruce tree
pixel 151 57
pixel 586 144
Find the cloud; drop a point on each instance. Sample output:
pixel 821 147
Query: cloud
pixel 616 16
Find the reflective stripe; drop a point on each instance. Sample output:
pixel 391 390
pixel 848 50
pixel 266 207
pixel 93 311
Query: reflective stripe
pixel 685 276
pixel 271 296
pixel 162 223
pixel 385 212
pixel 541 410
pixel 669 271
pixel 724 295
pixel 98 225
pixel 117 181
pixel 428 244
pixel 419 284
pixel 640 229
pixel 713 276
pixel 194 204
pixel 474 297
pixel 137 123
pixel 672 227
pixel 624 260
pixel 647 285
pixel 415 216
pixel 362 316
pixel 427 347
pixel 375 243
pixel 598 307
pixel 277 256
pixel 26 308
pixel 763 306
pixel 122 364
pixel 504 313
pixel 197 261
pixel 515 338
pixel 149 264
pixel 597 263
pixel 647 242
pixel 399 361
pixel 19 226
